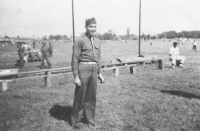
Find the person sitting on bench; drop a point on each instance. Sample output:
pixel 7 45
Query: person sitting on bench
pixel 174 55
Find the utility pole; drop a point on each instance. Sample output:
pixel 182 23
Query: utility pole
pixel 139 55
pixel 73 21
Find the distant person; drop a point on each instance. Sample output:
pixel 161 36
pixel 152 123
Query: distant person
pixel 45 55
pixel 34 43
pixel 174 55
pixel 50 48
pixel 20 62
pixel 27 48
pixel 18 45
pixel 151 42
pixel 195 46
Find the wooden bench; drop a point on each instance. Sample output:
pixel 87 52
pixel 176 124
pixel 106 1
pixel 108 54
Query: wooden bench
pixel 5 84
pixel 166 63
pixel 116 69
pixel 46 73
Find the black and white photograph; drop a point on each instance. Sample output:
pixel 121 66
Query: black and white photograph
pixel 99 65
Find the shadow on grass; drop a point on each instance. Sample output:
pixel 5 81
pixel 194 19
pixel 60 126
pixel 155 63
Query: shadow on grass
pixel 180 93
pixel 61 112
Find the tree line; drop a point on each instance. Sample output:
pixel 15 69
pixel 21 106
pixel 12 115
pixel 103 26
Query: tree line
pixel 183 34
pixel 56 37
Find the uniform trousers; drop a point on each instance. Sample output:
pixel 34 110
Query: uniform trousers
pixel 85 95
pixel 194 47
pixel 179 58
pixel 45 57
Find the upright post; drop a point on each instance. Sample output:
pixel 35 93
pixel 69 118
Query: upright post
pixel 47 79
pixel 73 20
pixel 4 85
pixel 139 25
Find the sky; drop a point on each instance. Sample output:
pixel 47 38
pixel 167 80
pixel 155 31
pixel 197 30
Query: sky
pixel 36 18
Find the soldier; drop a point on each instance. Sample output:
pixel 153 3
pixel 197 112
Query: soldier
pixel 34 44
pixel 86 67
pixel 21 56
pixel 50 49
pixel 26 47
pixel 45 55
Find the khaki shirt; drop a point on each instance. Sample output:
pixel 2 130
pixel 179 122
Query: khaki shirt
pixel 85 51
pixel 45 51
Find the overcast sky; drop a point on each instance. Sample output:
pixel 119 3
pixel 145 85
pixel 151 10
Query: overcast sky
pixel 26 18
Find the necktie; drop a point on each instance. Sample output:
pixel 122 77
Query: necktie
pixel 92 41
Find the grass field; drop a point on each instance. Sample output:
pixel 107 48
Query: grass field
pixel 150 100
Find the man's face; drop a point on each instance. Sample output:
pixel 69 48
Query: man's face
pixel 175 45
pixel 91 29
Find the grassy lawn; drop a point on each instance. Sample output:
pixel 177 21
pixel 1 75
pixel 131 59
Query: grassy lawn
pixel 150 100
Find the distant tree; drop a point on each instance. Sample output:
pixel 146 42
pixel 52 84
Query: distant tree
pixel 58 37
pixel 109 35
pixel 51 37
pixel 18 37
pixel 153 37
pixel 99 36
pixel 143 36
pixel 6 36
pixel 44 37
pixel 127 33
pixel 148 36
pixel 65 37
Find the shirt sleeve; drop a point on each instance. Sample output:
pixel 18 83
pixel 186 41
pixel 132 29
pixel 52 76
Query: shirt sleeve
pixel 76 51
pixel 99 60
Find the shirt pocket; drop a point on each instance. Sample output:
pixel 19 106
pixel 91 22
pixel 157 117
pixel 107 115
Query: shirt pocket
pixel 87 50
pixel 87 47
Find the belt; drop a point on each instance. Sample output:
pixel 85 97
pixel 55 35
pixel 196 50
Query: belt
pixel 88 63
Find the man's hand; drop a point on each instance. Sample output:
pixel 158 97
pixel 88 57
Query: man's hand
pixel 101 78
pixel 77 80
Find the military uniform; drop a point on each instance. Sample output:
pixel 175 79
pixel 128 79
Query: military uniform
pixel 21 57
pixel 50 49
pixel 45 56
pixel 86 63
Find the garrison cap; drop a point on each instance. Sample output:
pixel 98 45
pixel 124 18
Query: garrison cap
pixel 175 43
pixel 90 21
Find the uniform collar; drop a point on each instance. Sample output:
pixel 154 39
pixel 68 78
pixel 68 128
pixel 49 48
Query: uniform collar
pixel 89 36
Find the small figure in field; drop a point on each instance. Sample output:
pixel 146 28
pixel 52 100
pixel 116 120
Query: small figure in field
pixel 195 46
pixel 45 55
pixel 151 42
pixel 34 43
pixel 50 48
pixel 174 56
pixel 21 57
pixel 27 48
pixel 183 41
